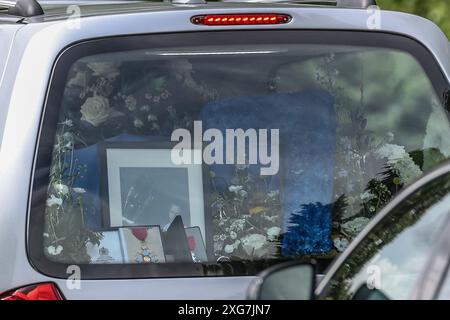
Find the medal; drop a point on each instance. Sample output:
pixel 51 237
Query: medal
pixel 144 255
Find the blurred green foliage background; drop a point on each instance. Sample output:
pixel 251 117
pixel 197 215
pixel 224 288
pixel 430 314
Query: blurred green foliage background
pixel 436 10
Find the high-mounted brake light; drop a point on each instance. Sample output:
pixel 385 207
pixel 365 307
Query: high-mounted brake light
pixel 241 19
pixel 40 291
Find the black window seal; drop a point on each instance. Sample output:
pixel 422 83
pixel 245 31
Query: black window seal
pixel 49 118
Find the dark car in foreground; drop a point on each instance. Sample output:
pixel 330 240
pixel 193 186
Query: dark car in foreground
pixel 404 253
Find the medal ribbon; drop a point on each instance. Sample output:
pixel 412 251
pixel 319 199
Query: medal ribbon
pixel 139 233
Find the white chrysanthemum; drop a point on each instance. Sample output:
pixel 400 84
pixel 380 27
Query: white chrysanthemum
pixel 355 226
pixel 407 169
pixel 401 161
pixel 392 152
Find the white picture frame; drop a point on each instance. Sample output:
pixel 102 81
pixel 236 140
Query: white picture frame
pixel 120 160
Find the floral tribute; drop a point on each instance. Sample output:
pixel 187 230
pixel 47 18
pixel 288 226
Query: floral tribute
pixel 66 235
pixel 246 216
pixel 361 188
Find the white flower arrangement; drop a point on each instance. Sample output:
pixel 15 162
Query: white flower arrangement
pixel 61 189
pixel 254 245
pixel 95 110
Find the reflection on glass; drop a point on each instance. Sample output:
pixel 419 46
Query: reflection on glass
pixel 394 253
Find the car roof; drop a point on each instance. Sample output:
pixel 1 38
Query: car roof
pixel 58 9
pixel 157 17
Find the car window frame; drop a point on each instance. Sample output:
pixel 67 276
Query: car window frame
pixel 54 94
pixel 431 264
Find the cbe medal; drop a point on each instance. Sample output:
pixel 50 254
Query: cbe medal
pixel 144 255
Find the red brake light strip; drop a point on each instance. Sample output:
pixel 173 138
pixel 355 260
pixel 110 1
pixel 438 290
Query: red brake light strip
pixel 241 19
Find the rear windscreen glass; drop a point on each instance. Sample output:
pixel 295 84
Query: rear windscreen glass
pixel 211 154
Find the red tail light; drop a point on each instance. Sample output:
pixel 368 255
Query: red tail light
pixel 241 19
pixel 40 291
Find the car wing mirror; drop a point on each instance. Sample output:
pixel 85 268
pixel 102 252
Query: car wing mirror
pixel 364 293
pixel 287 281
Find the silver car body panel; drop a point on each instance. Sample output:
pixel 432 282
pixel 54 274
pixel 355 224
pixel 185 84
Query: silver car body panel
pixel 27 72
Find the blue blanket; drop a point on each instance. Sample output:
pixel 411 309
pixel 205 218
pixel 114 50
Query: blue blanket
pixel 307 127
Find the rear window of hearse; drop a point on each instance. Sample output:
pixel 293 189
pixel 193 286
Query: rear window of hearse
pixel 213 154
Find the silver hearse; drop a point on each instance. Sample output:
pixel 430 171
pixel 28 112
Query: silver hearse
pixel 174 150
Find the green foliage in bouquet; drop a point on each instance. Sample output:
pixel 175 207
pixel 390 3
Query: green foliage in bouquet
pixel 66 235
pixel 246 217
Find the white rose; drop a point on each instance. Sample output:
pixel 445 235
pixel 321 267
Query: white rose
pixel 229 248
pixel 233 235
pixel 61 188
pixel 52 201
pixel 253 244
pixel 273 232
pixel 79 190
pixel 95 110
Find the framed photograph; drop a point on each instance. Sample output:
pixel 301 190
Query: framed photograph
pixel 196 244
pixel 109 251
pixel 142 244
pixel 142 186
